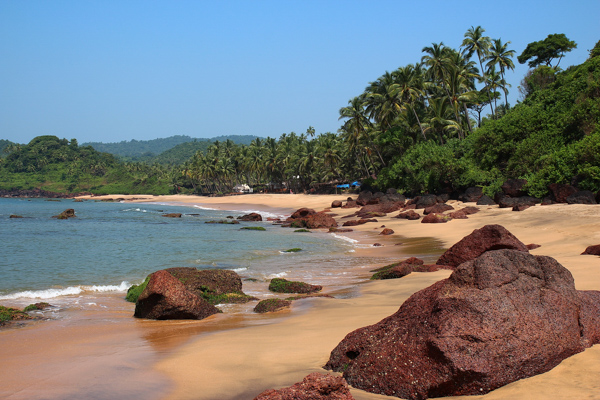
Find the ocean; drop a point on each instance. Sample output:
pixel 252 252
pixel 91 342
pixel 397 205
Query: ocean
pixel 111 245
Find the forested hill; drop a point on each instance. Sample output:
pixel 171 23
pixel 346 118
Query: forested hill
pixel 147 150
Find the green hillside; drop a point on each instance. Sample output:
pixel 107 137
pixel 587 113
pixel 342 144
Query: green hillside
pixel 59 165
pixel 150 151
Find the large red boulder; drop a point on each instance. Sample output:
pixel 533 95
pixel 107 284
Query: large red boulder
pixel 490 237
pixel 309 218
pixel 501 317
pixel 166 297
pixel 315 386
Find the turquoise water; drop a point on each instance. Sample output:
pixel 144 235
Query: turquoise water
pixel 110 246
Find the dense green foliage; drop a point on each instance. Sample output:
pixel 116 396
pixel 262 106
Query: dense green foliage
pixel 59 165
pixel 4 146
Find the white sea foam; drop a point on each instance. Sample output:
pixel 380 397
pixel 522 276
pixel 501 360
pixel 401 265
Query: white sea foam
pixel 279 275
pixel 203 208
pixel 240 269
pixel 346 238
pixel 68 291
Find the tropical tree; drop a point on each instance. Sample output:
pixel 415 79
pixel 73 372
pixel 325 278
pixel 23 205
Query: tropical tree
pixel 544 51
pixel 499 56
pixel 475 42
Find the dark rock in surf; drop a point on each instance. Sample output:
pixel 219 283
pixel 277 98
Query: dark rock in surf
pixel 166 297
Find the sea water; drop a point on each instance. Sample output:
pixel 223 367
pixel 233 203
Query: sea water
pixel 110 245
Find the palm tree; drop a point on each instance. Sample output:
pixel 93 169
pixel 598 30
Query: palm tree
pixel 475 42
pixel 410 82
pixel 500 56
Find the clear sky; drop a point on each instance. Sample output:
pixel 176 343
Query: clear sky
pixel 103 70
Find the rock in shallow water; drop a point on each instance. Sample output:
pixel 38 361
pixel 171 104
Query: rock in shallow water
pixel 499 318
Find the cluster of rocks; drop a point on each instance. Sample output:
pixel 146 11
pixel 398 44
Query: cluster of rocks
pixel 190 293
pixel 310 219
pixel 502 315
pixel 513 195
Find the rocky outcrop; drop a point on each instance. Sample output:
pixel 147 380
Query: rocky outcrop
pixel 501 317
pixel 410 215
pixel 253 217
pixel 472 194
pixel 214 285
pixel 514 187
pixel 356 222
pixel 336 204
pixel 313 387
pixel 486 200
pixel 438 208
pixel 15 216
pixel 166 297
pixel 425 201
pixel 310 219
pixel 560 191
pixel 280 285
pixel 68 213
pixel 271 305
pixel 434 218
pixel 582 197
pixel 387 231
pixel 172 215
pixel 592 250
pixel 490 237
pixel 511 202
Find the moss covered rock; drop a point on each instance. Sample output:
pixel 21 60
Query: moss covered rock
pixel 135 290
pixel 280 285
pixel 271 305
pixel 8 314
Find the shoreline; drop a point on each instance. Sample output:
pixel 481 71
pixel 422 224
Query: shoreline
pixel 207 360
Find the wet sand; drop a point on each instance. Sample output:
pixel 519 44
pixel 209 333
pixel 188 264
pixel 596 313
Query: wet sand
pixel 237 358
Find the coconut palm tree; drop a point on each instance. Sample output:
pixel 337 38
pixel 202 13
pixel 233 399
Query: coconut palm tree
pixel 475 43
pixel 500 56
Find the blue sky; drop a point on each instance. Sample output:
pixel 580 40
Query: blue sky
pixel 119 70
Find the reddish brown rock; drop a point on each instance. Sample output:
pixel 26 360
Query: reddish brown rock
pixel 313 387
pixel 356 222
pixel 560 191
pixel 425 201
pixel 470 210
pixel 438 208
pixel 302 213
pixel 532 246
pixel 336 204
pixel 490 237
pixel 397 270
pixel 387 231
pixel 592 250
pixel 309 218
pixel 434 218
pixel 350 204
pixel 514 187
pixel 377 245
pixel 486 200
pixel 504 316
pixel 582 197
pixel 271 305
pixel 472 194
pixel 254 217
pixel 410 215
pixel 520 207
pixel 460 214
pixel 165 297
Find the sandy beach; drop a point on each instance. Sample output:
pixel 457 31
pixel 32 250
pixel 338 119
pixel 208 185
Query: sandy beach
pixel 206 360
